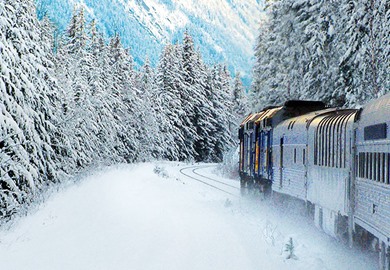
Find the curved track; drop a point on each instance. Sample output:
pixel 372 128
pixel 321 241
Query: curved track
pixel 208 181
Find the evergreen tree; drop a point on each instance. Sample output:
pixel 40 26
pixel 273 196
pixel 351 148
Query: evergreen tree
pixel 168 86
pixel 28 137
pixel 239 100
pixel 324 50
pixel 222 104
pixel 203 112
pixel 151 140
pixel 126 103
pixel 190 94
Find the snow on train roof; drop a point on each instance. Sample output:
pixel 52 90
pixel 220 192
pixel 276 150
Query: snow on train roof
pixel 268 114
pixel 376 111
pixel 247 119
pixel 257 117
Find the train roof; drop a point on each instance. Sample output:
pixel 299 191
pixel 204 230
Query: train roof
pixel 334 114
pixel 376 111
pixel 302 122
pixel 256 117
pixel 272 115
pixel 267 114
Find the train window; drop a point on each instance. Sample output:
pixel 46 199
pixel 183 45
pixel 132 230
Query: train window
pixel 384 171
pixel 373 166
pixel 339 145
pixel 377 167
pixel 364 170
pixel 377 163
pixel 295 155
pixel 366 165
pixel 375 132
pixel 380 171
pixel 335 144
pixel 361 165
pixel 384 168
pixel 344 150
pixel 369 163
pixel 387 168
pixel 328 144
pixel 319 147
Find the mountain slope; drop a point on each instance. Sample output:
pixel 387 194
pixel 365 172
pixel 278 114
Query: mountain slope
pixel 224 30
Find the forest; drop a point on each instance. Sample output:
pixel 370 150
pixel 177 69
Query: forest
pixel 337 51
pixel 77 101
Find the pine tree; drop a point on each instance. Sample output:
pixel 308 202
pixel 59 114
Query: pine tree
pixel 222 103
pixel 151 146
pixel 168 86
pixel 75 33
pixel 126 102
pixel 190 94
pixel 204 121
pixel 28 137
pixel 239 99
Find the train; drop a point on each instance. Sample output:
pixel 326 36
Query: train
pixel 334 161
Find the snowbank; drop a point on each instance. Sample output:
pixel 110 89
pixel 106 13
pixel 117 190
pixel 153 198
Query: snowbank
pixel 136 217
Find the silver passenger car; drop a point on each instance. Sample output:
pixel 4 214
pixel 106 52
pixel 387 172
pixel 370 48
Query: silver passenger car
pixel 329 167
pixel 372 188
pixel 290 146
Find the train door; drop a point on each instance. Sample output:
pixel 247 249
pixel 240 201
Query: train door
pixel 281 162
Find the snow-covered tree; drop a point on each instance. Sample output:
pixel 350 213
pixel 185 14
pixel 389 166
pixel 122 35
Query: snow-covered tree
pixel 222 105
pixel 151 140
pixel 240 100
pixel 128 106
pixel 204 121
pixel 168 86
pixel 71 102
pixel 325 50
pixel 29 141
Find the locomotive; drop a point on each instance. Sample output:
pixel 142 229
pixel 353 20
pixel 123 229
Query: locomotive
pixel 336 162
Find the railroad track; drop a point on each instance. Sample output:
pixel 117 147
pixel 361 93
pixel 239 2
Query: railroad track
pixel 208 181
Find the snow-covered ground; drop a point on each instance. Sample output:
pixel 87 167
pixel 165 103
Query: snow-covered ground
pixel 152 216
